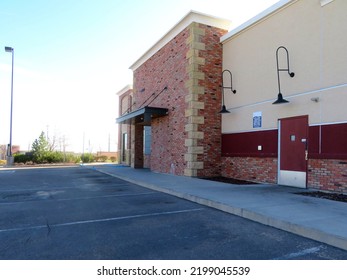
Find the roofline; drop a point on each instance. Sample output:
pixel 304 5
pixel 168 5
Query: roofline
pixel 191 16
pixel 124 90
pixel 282 4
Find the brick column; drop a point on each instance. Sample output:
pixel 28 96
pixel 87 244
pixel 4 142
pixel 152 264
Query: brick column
pixel 137 146
pixel 192 101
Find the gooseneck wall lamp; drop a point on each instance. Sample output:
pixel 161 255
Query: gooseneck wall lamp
pixel 9 150
pixel 280 99
pixel 224 110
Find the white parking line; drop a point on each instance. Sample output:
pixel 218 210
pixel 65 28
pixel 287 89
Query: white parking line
pixel 101 220
pixel 32 190
pixel 55 188
pixel 104 196
pixel 6 172
pixel 301 253
pixel 75 198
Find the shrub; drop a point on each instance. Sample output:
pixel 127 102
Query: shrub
pixel 23 158
pixel 46 157
pixel 101 158
pixel 53 157
pixel 86 158
pixel 72 158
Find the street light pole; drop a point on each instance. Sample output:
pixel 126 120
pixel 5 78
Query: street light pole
pixel 9 153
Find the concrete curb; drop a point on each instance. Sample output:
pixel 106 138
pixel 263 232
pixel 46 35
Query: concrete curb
pixel 314 234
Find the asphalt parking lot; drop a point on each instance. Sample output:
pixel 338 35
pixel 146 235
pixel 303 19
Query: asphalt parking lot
pixel 79 213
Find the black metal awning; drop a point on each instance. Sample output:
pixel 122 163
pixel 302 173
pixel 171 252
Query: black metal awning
pixel 142 116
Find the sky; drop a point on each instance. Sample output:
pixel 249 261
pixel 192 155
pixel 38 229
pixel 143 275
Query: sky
pixel 71 57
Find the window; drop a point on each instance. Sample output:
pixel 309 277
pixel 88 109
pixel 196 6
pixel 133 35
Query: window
pixel 147 139
pixel 124 145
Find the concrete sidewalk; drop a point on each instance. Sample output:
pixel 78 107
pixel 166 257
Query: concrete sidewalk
pixel 315 218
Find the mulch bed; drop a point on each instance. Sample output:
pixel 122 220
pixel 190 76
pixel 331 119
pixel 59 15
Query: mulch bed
pixel 229 180
pixel 331 196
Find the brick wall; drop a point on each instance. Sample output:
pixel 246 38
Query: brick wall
pixel 188 140
pixel 167 67
pixel 255 169
pixel 323 174
pixel 328 175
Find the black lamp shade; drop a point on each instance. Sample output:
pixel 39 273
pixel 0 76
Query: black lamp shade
pixel 224 110
pixel 280 99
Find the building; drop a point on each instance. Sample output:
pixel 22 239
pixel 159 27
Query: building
pixel 124 131
pixel 176 85
pixel 294 51
pixel 4 149
pixel 303 142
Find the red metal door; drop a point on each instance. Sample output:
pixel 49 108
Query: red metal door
pixel 293 151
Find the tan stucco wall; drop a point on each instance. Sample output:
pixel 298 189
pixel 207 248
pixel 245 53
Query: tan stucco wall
pixel 315 37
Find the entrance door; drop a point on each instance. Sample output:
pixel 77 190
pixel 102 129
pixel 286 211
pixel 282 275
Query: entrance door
pixel 293 133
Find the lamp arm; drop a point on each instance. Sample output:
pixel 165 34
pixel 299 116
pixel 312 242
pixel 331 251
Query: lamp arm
pixel 231 81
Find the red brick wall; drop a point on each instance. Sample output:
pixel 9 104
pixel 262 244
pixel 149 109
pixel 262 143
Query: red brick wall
pixel 328 175
pixel 262 170
pixel 323 174
pixel 167 67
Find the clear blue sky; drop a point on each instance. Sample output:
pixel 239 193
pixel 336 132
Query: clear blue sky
pixel 71 57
